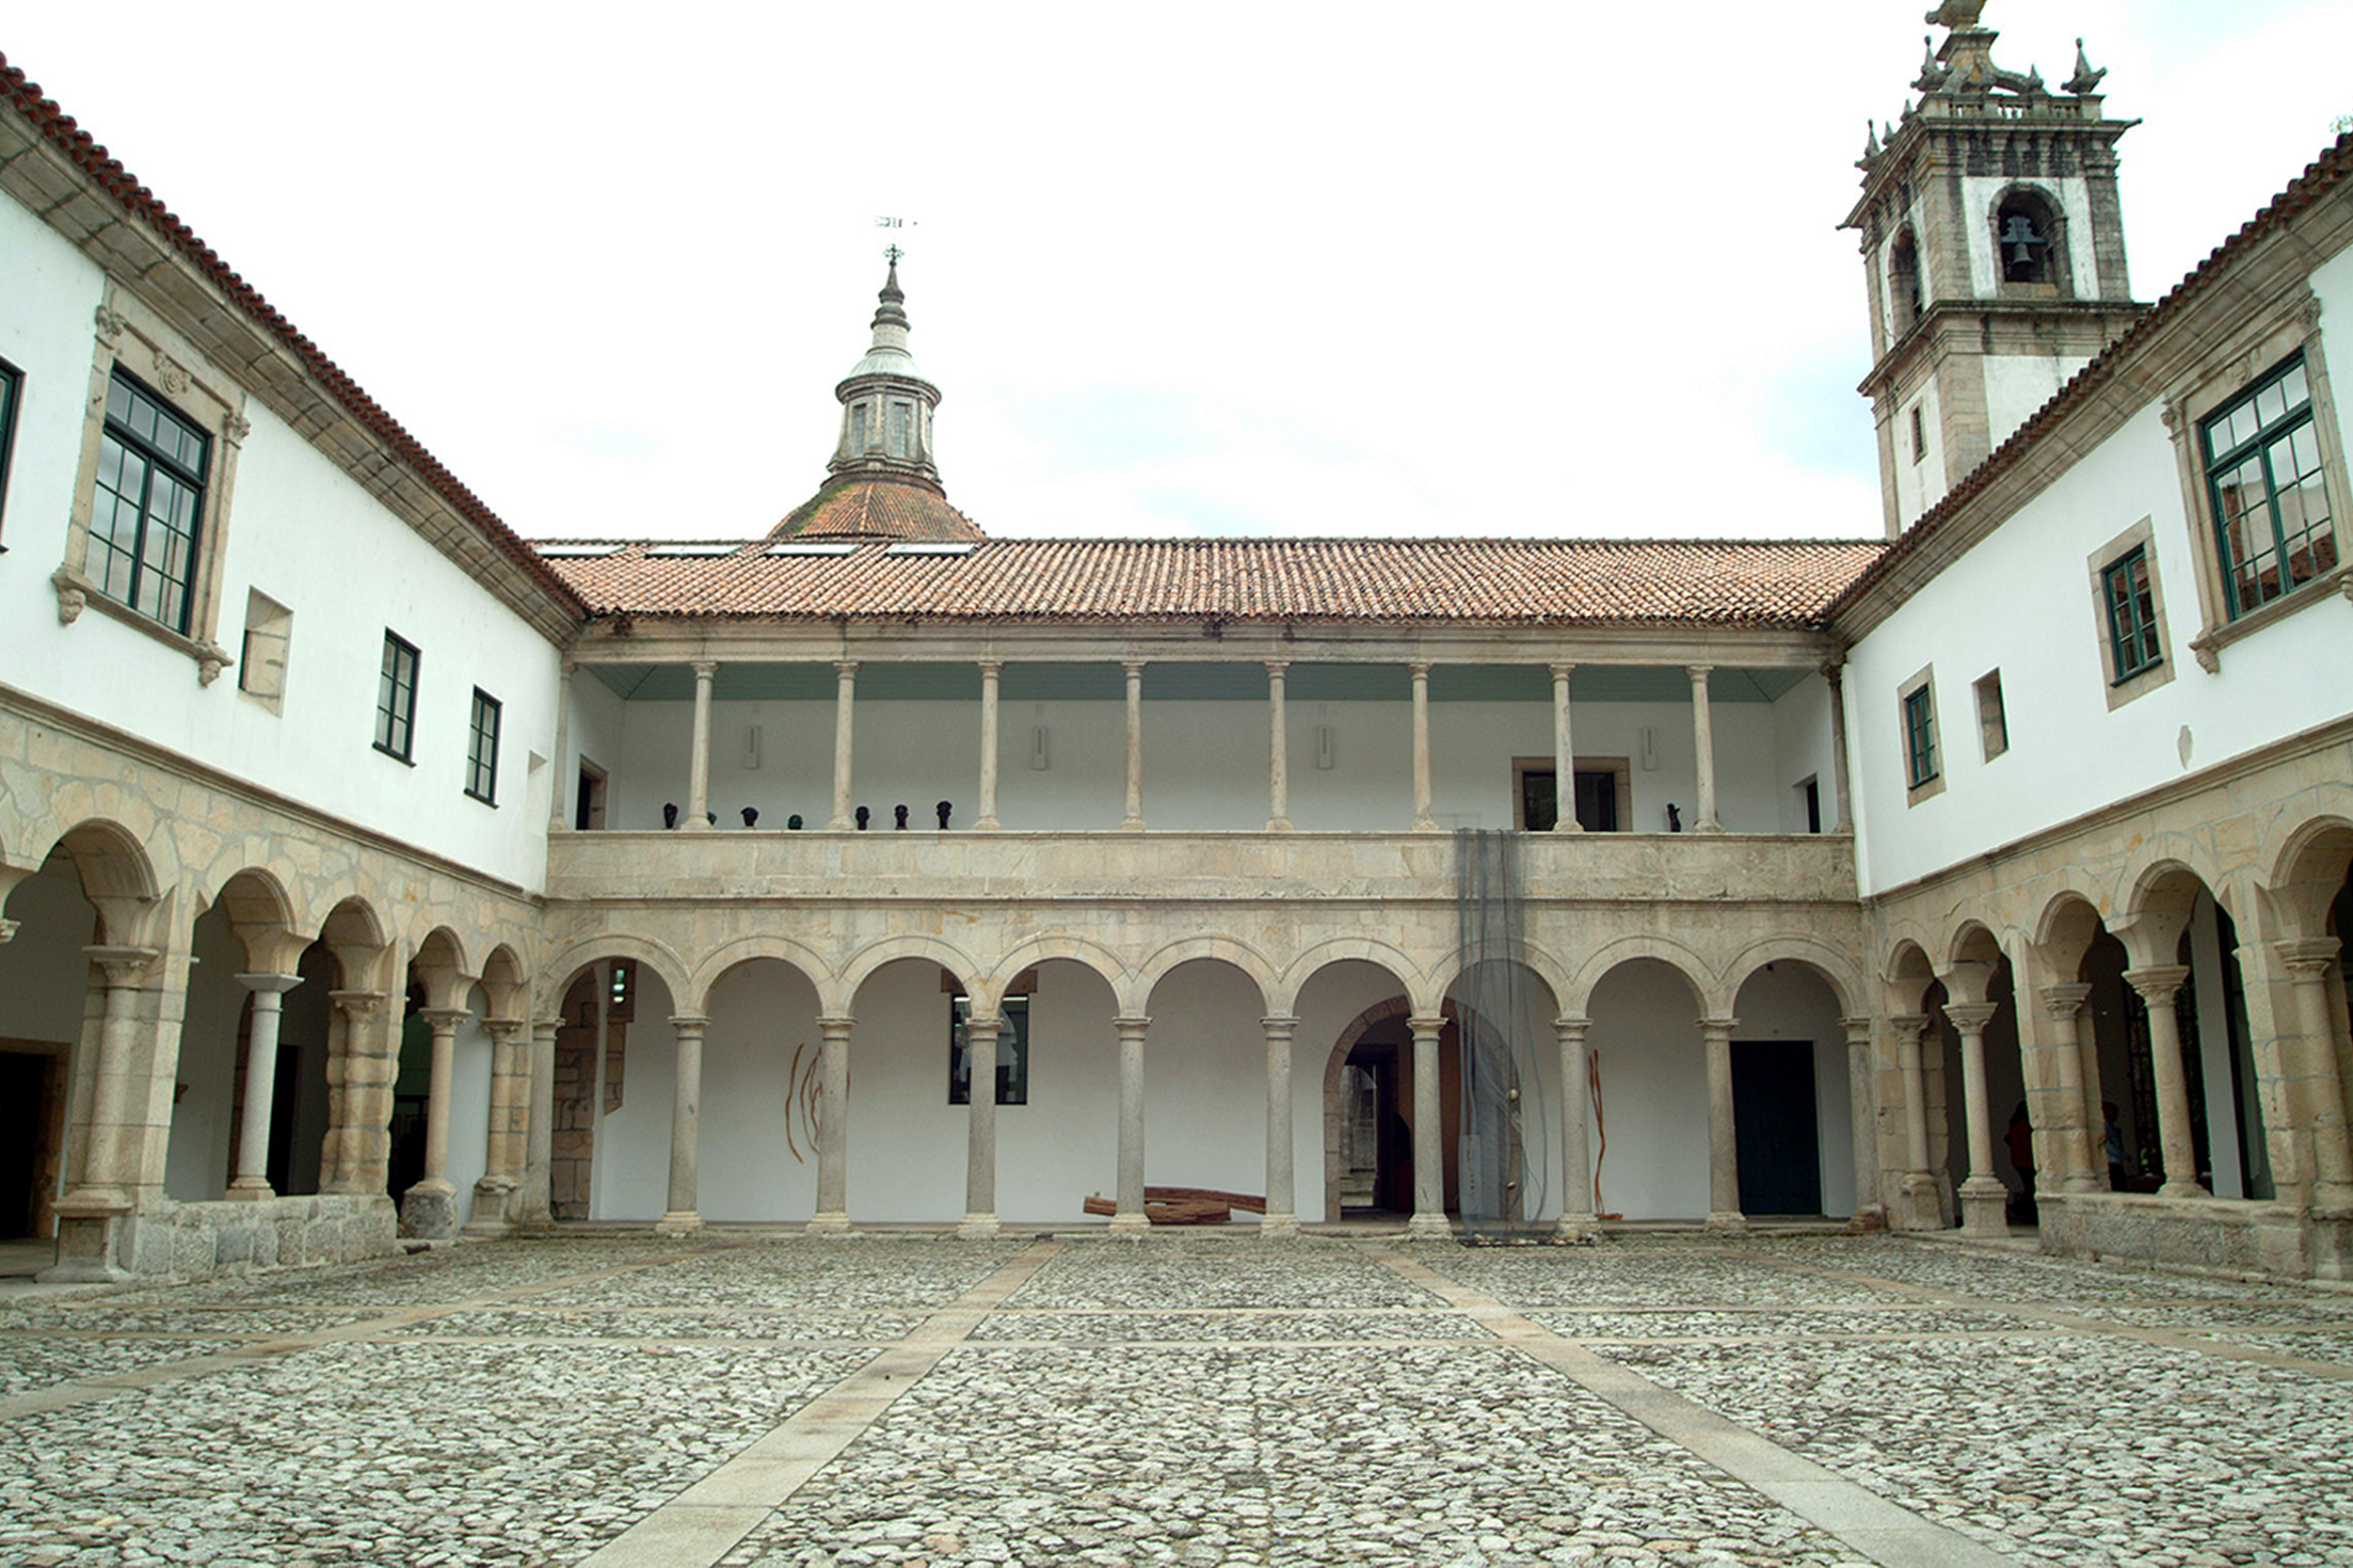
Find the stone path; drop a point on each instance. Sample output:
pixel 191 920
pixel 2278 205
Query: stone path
pixel 1793 1401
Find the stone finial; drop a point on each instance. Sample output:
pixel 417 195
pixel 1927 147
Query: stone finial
pixel 1957 13
pixel 1870 142
pixel 2085 80
pixel 1933 70
pixel 2034 81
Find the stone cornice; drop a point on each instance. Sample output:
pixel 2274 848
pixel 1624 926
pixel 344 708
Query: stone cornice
pixel 179 765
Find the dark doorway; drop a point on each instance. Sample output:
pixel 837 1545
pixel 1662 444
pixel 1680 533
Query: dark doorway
pixel 1778 1137
pixel 1597 799
pixel 28 1086
pixel 1377 1175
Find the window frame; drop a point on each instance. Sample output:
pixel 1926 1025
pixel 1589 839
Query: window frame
pixel 2227 372
pixel 482 762
pixel 130 337
pixel 12 399
pixel 1924 765
pixel 2258 448
pixel 2122 686
pixel 393 706
pixel 1992 715
pixel 158 465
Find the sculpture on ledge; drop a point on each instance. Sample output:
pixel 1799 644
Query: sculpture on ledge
pixel 751 816
pixel 943 808
pixel 669 813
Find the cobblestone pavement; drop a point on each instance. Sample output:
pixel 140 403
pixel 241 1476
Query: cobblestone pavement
pixel 920 1402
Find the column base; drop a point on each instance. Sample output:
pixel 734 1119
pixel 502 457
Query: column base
pixel 1984 1207
pixel 1129 1224
pixel 1921 1204
pixel 1869 1218
pixel 1576 1230
pixel 1278 1227
pixel 2182 1189
pixel 86 1247
pixel 833 1221
pixel 428 1210
pixel 1728 1222
pixel 987 824
pixel 253 1190
pixel 679 1222
pixel 978 1227
pixel 493 1209
pixel 1133 825
pixel 1278 825
pixel 1429 1227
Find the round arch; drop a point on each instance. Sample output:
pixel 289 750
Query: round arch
pixel 695 999
pixel 2305 874
pixel 1626 950
pixel 565 966
pixel 1835 966
pixel 1386 957
pixel 842 997
pixel 1088 954
pixel 1235 954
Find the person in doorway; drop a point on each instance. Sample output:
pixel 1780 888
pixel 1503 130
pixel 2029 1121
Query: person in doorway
pixel 2115 1136
pixel 2021 1140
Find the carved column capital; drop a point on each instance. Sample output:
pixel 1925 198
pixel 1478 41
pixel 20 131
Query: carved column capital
pixel 2310 956
pixel 445 1021
pixel 2060 1003
pixel 125 967
pixel 1909 1026
pixel 358 1006
pixel 1970 1017
pixel 690 1026
pixel 1279 1027
pixel 2157 982
pixel 506 1031
pixel 1858 1030
pixel 1569 1031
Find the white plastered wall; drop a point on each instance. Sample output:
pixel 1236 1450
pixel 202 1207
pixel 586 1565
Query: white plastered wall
pixel 305 533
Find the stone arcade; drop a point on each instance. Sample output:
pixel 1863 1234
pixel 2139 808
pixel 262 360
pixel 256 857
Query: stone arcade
pixel 1152 836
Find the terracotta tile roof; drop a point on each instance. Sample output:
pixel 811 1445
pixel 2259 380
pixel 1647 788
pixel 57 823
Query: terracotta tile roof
pixel 103 171
pixel 1779 584
pixel 873 509
pixel 2331 169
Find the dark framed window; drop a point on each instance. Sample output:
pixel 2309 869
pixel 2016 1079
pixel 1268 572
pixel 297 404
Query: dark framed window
pixel 149 506
pixel 396 698
pixel 482 748
pixel 2132 606
pixel 12 391
pixel 2273 528
pixel 1013 1052
pixel 1920 760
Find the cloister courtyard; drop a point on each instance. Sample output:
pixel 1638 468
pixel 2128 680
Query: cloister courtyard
pixel 1805 1398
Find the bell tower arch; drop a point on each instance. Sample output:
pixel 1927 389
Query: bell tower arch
pixel 1993 248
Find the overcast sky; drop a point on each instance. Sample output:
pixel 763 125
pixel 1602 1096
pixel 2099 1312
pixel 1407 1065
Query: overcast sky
pixel 1216 268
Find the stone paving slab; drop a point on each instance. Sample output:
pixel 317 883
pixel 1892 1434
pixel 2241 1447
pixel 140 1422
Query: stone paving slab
pixel 656 1323
pixel 1273 1455
pixel 1227 1327
pixel 44 1361
pixel 380 1454
pixel 1819 1401
pixel 2088 1450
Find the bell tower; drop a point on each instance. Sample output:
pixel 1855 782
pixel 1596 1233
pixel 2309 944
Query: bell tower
pixel 1993 251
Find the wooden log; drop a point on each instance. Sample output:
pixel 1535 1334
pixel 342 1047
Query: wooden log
pixel 1249 1203
pixel 1159 1210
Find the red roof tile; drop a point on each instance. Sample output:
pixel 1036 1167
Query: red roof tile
pixel 875 509
pixel 1730 583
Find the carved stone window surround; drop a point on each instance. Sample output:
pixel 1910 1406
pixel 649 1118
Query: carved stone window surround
pixel 2140 535
pixel 128 333
pixel 2264 340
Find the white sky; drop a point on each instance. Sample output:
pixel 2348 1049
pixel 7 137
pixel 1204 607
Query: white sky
pixel 1220 268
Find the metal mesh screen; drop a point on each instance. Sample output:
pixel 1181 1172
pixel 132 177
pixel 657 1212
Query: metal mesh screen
pixel 1500 1152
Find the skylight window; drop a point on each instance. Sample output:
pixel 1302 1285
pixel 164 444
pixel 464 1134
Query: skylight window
pixel 576 551
pixel 794 547
pixel 689 552
pixel 927 548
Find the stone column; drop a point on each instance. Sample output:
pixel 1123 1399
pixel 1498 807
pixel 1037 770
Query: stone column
pixel 261 1082
pixel 980 1130
pixel 698 766
pixel 1870 1206
pixel 556 798
pixel 684 1215
pixel 2088 1167
pixel 986 822
pixel 1282 1214
pixel 2314 1087
pixel 429 1208
pixel 1703 740
pixel 832 1130
pixel 359 1077
pixel 2158 984
pixel 1837 676
pixel 1723 1134
pixel 844 717
pixel 1984 1197
pixel 1922 1204
pixel 1428 1222
pixel 1424 820
pixel 1131 1219
pixel 1133 821
pixel 1578 1222
pixel 107 1162
pixel 502 1156
pixel 539 1126
pixel 1564 759
pixel 1278 764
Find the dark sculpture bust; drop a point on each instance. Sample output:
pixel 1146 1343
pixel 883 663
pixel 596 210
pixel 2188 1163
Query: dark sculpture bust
pixel 943 808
